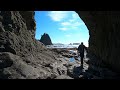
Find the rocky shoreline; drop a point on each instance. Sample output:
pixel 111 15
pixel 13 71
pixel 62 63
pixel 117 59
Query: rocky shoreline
pixel 52 64
pixel 89 70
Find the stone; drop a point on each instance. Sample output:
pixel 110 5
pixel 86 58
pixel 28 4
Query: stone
pixel 45 39
pixel 63 77
pixel 5 60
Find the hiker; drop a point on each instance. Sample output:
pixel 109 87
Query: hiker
pixel 81 49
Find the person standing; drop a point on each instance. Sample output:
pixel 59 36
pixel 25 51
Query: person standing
pixel 81 49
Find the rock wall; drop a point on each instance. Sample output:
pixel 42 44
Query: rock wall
pixel 17 31
pixel 104 34
pixel 21 55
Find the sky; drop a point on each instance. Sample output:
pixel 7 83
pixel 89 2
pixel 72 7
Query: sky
pixel 62 26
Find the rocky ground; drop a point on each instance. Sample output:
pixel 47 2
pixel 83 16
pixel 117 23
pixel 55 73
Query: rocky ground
pixel 90 70
pixel 52 64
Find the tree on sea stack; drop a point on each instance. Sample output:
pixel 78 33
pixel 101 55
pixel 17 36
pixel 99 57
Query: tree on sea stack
pixel 45 39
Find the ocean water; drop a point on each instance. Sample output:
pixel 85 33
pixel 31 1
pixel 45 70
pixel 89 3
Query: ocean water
pixel 62 46
pixel 70 51
pixel 72 59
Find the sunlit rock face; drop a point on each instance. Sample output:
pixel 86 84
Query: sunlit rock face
pixel 104 34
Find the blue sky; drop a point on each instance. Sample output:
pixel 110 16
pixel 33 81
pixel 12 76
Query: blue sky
pixel 62 26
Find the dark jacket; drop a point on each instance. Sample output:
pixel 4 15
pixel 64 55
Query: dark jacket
pixel 81 49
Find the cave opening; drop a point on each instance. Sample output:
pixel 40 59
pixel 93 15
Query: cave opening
pixel 63 27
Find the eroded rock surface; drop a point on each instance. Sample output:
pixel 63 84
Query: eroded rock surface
pixel 21 56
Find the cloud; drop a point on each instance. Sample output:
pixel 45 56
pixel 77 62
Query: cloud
pixel 68 20
pixel 75 16
pixel 58 15
pixel 71 20
pixel 72 23
pixel 65 26
pixel 68 35
pixel 78 24
pixel 75 23
pixel 65 23
pixel 74 28
pixel 63 29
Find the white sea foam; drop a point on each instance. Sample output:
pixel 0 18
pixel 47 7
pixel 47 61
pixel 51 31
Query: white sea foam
pixel 62 46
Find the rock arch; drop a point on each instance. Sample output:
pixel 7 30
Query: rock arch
pixel 104 35
pixel 17 36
